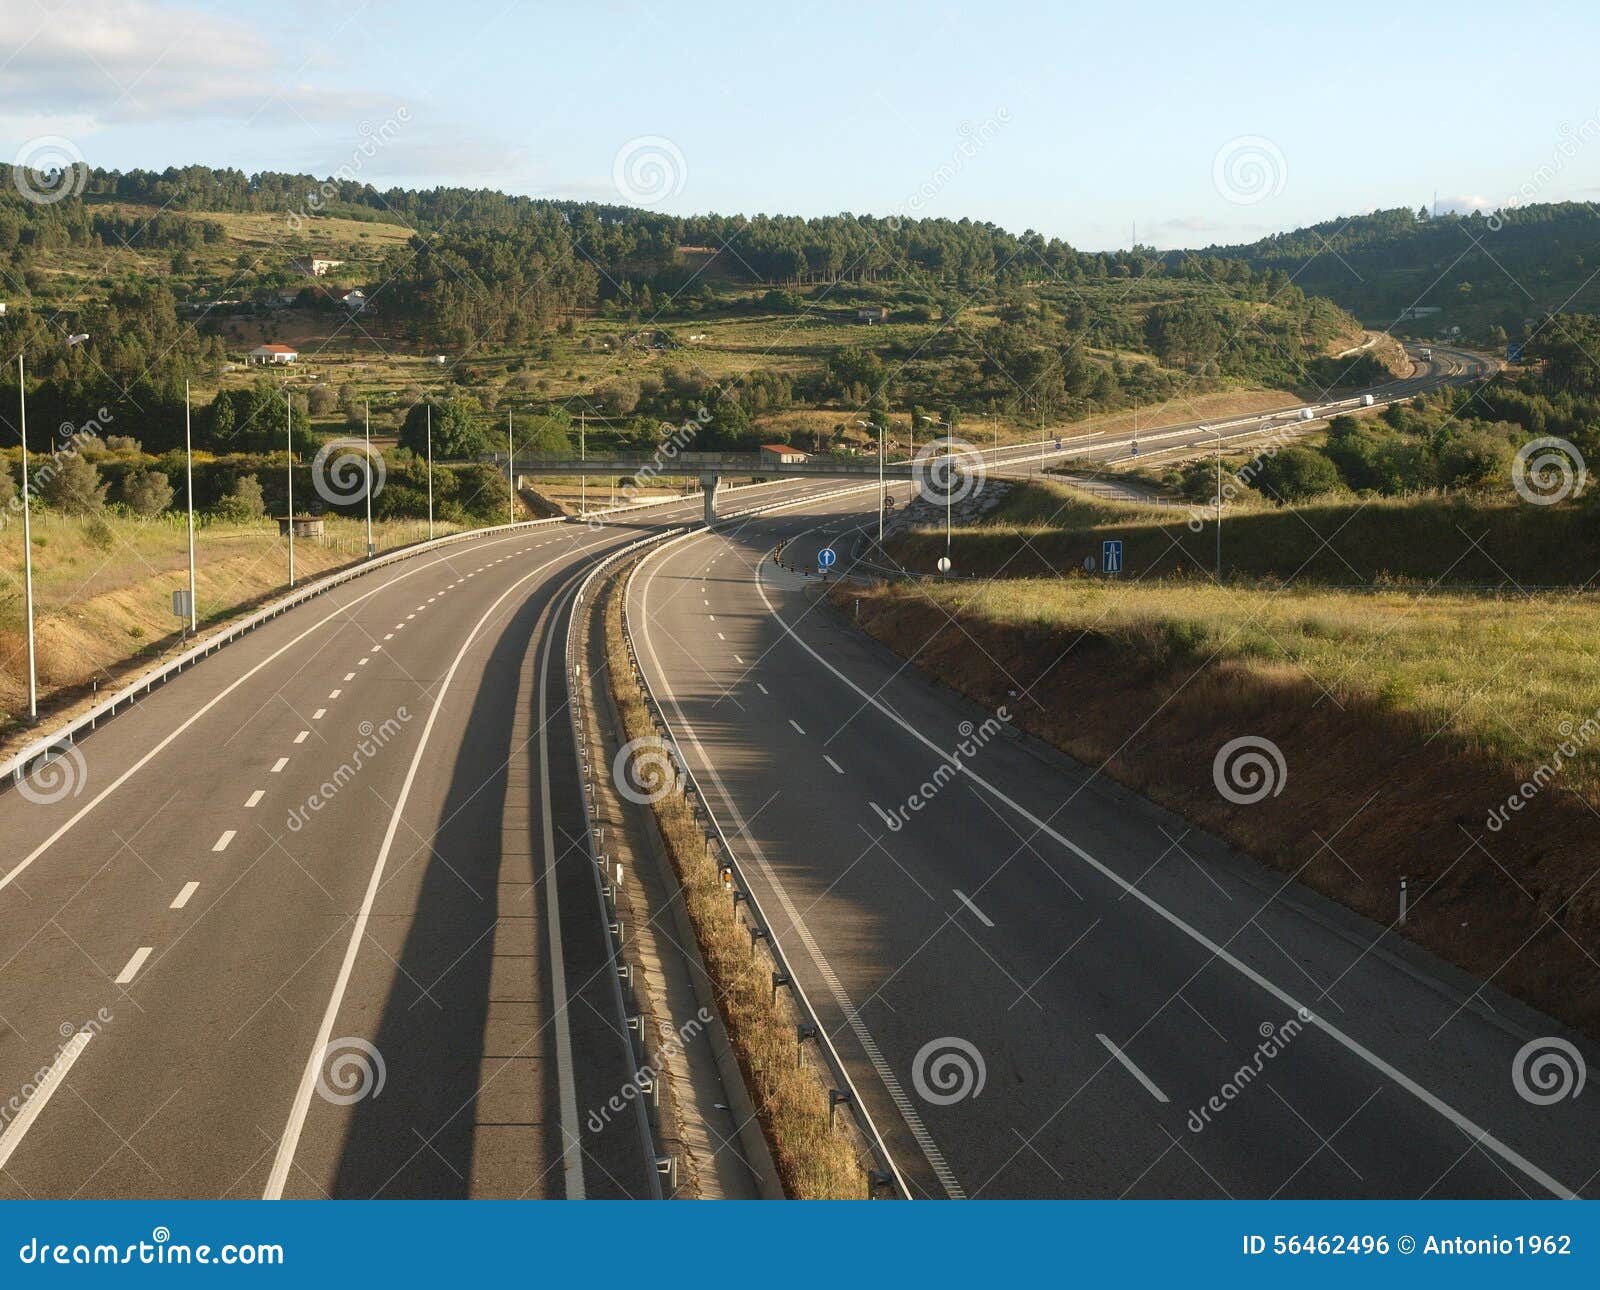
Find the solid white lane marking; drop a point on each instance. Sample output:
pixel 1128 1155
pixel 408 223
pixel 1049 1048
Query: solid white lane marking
pixel 799 729
pixel 838 769
pixel 42 1093
pixel 221 844
pixel 130 969
pixel 162 744
pixel 1473 1131
pixel 1149 1084
pixel 182 898
pixel 277 766
pixel 255 797
pixel 283 1161
pixel 319 714
pixel 967 901
pixel 334 694
pixel 301 737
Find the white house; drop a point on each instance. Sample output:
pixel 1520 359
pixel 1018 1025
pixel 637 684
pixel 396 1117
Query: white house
pixel 273 354
pixel 318 265
pixel 780 454
pixel 355 301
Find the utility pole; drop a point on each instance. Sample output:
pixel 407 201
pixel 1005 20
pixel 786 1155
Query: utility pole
pixel 367 466
pixel 27 544
pixel 430 472
pixel 511 478
pixel 188 473
pixel 288 445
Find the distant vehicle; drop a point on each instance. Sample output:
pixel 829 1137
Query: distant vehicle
pixel 1305 414
pixel 1426 353
pixel 1367 400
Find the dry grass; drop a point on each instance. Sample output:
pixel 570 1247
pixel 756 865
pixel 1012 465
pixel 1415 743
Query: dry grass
pixel 815 1160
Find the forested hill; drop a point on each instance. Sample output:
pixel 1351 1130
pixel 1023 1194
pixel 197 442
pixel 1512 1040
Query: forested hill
pixel 1486 273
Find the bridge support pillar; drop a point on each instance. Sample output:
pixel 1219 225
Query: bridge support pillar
pixel 708 486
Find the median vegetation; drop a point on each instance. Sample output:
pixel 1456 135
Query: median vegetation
pixel 816 1158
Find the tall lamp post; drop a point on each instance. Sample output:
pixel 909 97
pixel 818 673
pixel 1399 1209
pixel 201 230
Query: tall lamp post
pixel 867 425
pixel 511 479
pixel 288 448
pixel 366 462
pixel 430 472
pixel 949 483
pixel 188 479
pixel 27 544
pixel 583 507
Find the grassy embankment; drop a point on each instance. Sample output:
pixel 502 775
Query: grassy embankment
pixel 1405 719
pixel 815 1160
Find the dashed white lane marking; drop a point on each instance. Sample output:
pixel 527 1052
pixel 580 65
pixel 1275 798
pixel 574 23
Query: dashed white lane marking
pixel 130 969
pixel 738 660
pixel 349 676
pixel 838 769
pixel 977 913
pixel 42 1093
pixel 376 649
pixel 301 737
pixel 762 688
pixel 388 636
pixel 182 898
pixel 409 617
pixel 712 617
pixel 334 694
pixel 319 714
pixel 721 637
pixel 255 798
pixel 1149 1084
pixel 221 844
pixel 361 662
pixel 799 729
pixel 277 766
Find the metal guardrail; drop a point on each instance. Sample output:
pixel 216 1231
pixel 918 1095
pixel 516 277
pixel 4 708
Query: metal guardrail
pixel 812 1026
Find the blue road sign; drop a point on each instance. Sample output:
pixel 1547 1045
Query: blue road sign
pixel 1513 351
pixel 1111 555
pixel 826 557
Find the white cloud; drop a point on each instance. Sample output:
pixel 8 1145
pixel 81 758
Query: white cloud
pixel 1465 204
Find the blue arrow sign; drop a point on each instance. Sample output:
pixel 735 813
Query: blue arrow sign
pixel 1111 555
pixel 826 557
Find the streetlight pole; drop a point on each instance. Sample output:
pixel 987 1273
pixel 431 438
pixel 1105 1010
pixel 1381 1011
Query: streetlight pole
pixel 511 478
pixel 867 425
pixel 366 462
pixel 583 506
pixel 288 447
pixel 188 475
pixel 949 477
pixel 1218 433
pixel 27 544
pixel 430 472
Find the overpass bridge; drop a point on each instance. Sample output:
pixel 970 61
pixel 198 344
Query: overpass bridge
pixel 710 467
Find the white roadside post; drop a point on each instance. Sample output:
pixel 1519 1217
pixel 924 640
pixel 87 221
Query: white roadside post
pixel 27 545
pixel 366 462
pixel 188 477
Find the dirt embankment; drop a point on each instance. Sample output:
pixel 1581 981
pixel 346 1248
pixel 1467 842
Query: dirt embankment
pixel 1369 797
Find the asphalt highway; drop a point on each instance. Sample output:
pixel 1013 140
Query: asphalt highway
pixel 1044 985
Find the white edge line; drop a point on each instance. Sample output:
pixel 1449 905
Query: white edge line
pixel 977 913
pixel 1149 1084
pixel 45 1090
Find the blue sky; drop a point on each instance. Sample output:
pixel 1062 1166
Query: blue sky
pixel 1197 123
